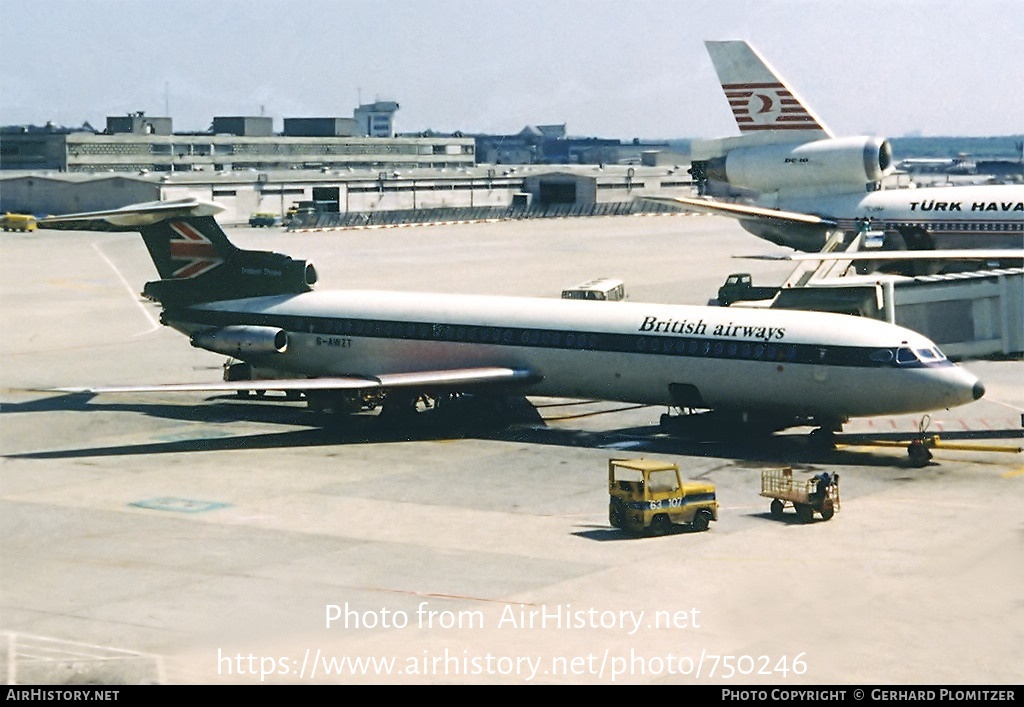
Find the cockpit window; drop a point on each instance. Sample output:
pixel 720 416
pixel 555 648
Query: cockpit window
pixel 905 355
pixel 882 356
pixel 930 355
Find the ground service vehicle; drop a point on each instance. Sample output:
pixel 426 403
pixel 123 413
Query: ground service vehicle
pixel 819 494
pixel 648 496
pixel 605 289
pixel 740 287
pixel 18 222
pixel 264 219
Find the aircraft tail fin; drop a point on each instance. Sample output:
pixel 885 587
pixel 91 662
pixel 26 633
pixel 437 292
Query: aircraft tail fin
pixel 759 98
pixel 192 254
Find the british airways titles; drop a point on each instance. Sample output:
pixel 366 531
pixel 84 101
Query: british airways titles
pixel 700 328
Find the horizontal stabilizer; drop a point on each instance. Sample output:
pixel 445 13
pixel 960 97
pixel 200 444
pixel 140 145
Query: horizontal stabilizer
pixel 131 217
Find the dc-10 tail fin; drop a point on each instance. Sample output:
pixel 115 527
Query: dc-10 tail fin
pixel 760 99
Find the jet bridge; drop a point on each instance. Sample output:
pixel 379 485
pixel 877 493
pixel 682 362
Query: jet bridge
pixel 969 314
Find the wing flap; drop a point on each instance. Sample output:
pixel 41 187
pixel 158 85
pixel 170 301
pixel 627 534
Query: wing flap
pixel 456 377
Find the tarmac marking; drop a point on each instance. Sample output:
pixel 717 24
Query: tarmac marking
pixel 443 595
pixel 153 324
pixel 178 505
pixel 32 655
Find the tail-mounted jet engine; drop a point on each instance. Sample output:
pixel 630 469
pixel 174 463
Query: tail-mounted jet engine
pixel 854 161
pixel 242 341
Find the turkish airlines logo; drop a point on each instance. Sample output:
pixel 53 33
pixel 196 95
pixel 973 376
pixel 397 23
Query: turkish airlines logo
pixel 191 246
pixel 767 106
pixel 763 107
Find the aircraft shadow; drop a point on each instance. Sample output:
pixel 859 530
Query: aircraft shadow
pixel 787 449
pixel 519 424
pixel 224 409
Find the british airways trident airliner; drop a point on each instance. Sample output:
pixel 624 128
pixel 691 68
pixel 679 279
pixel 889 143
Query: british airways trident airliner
pixel 350 350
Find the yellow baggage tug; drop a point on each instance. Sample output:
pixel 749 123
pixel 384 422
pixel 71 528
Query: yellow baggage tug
pixel 649 497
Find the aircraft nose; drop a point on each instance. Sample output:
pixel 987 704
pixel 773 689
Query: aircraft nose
pixel 961 387
pixel 978 390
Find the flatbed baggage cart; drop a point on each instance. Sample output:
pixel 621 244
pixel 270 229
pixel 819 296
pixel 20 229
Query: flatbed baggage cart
pixel 818 494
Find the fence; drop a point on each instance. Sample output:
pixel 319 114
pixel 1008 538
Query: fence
pixel 367 219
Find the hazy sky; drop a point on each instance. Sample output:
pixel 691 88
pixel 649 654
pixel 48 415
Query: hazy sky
pixel 624 69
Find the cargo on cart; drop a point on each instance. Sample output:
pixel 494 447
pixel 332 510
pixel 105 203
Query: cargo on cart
pixel 818 494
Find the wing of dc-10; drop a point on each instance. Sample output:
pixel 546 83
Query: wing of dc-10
pixel 745 212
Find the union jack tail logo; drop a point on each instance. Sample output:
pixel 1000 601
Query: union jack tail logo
pixel 767 106
pixel 195 249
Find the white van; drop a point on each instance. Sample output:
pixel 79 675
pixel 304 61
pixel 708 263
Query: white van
pixel 604 288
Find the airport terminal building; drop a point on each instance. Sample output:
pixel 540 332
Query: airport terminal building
pixel 462 191
pixel 137 142
pixel 339 164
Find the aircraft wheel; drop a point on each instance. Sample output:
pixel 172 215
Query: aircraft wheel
pixel 776 508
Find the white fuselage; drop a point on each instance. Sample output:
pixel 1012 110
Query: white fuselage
pixel 974 216
pixel 804 364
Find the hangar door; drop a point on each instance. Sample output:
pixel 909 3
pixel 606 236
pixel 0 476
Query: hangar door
pixel 557 192
pixel 327 199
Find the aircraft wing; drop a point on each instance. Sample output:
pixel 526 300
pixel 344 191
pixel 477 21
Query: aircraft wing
pixel 744 212
pixel 448 379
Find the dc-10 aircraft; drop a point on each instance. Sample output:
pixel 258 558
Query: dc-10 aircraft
pixel 808 182
pixel 772 369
